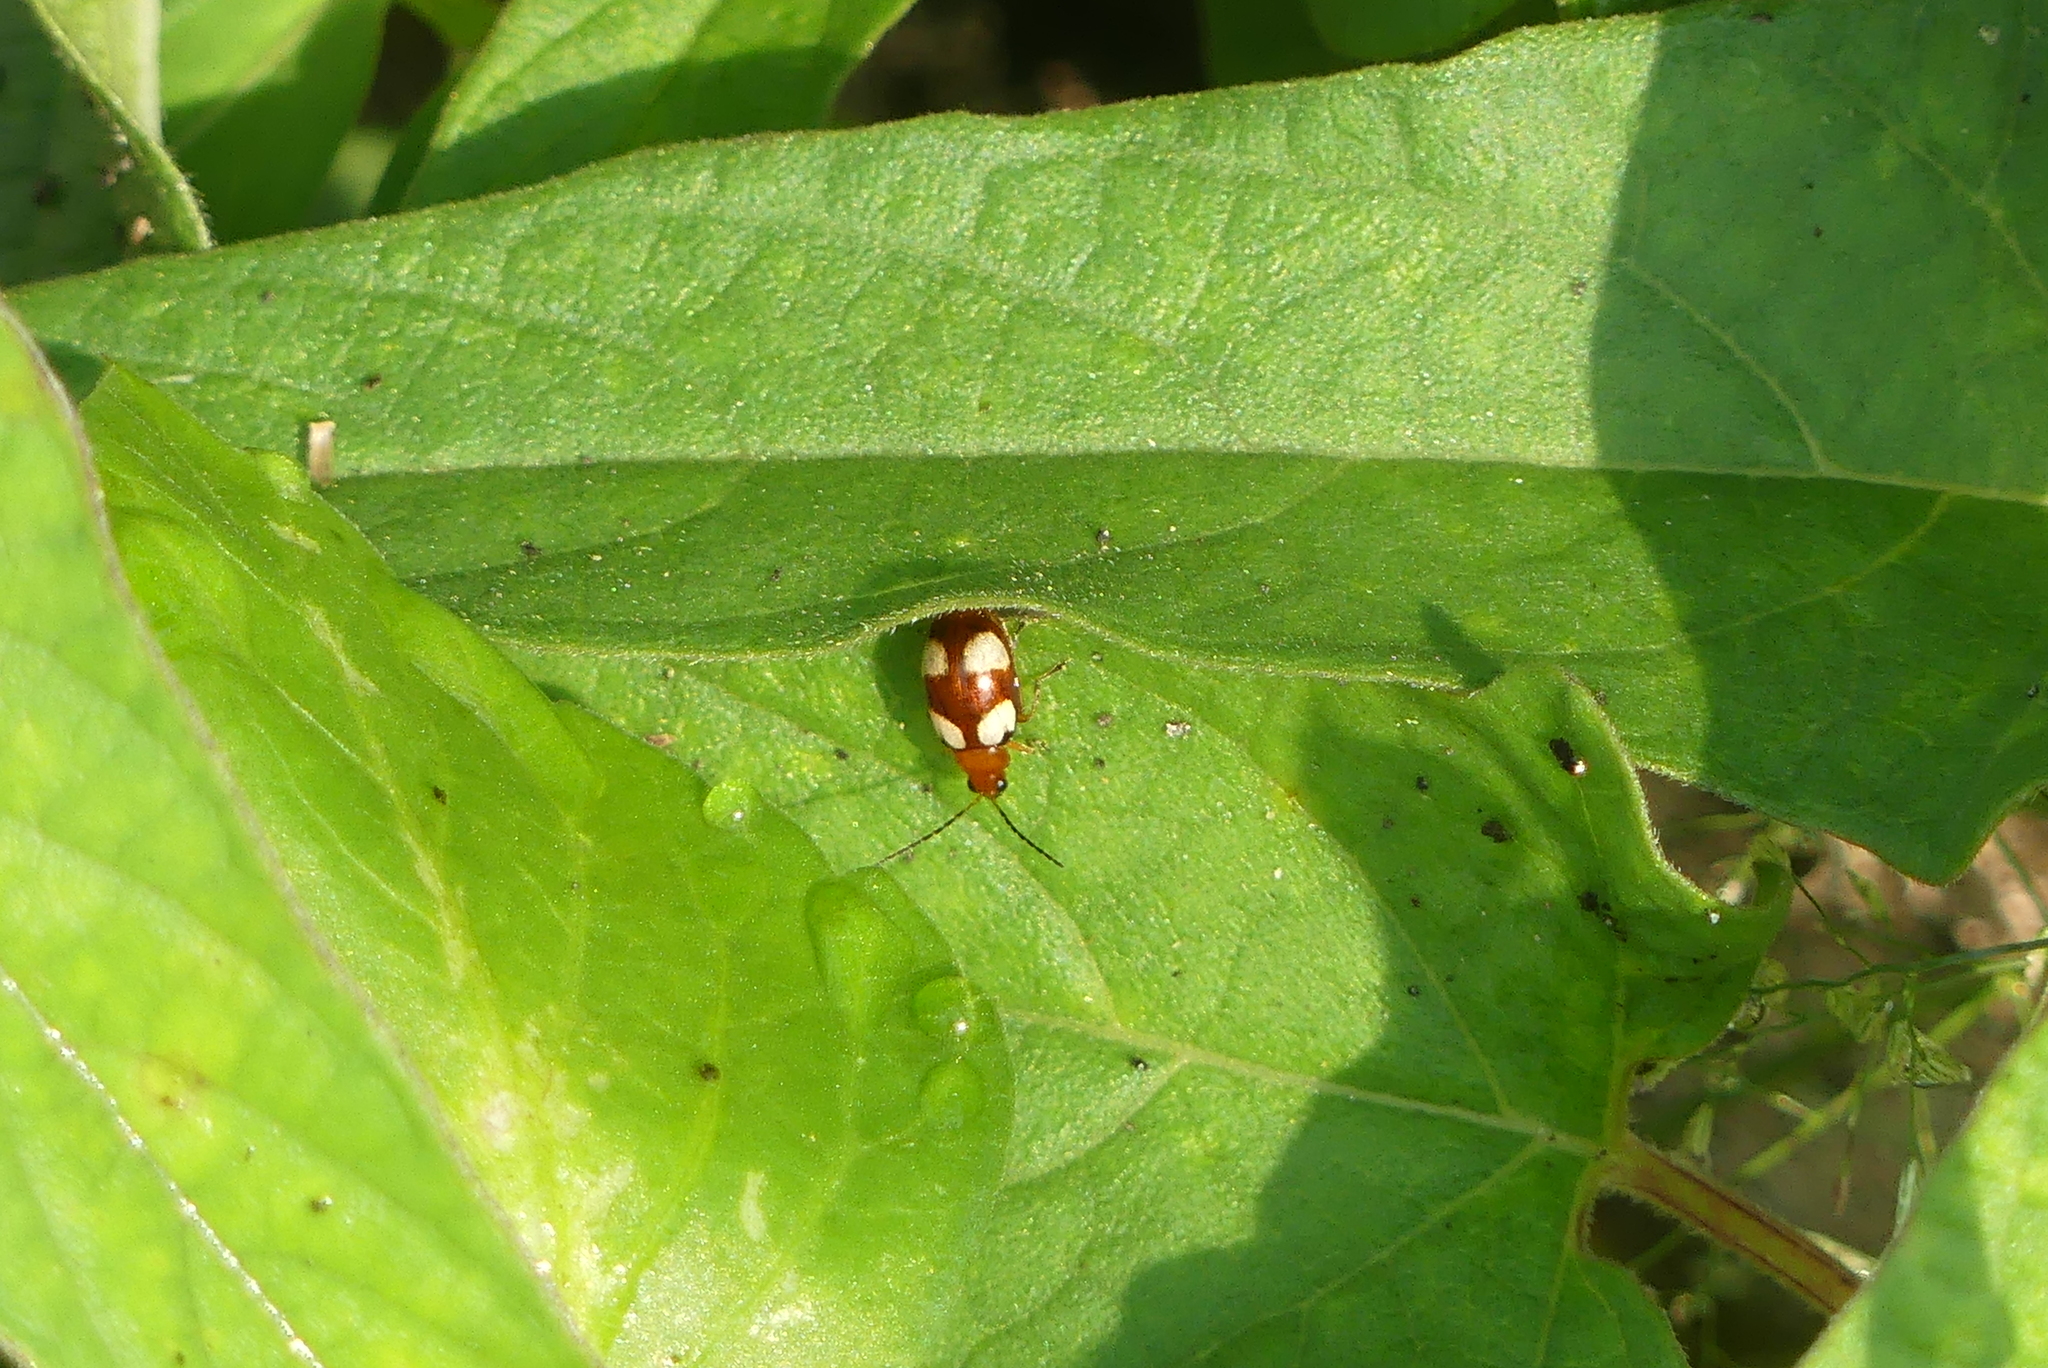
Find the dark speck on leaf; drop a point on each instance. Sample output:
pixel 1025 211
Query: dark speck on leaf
pixel 1816 232
pixel 1101 763
pixel 1386 823
pixel 1414 990
pixel 1589 901
pixel 1495 830
pixel 1414 902
pixel 2034 690
pixel 1138 1062
pixel 441 795
pixel 373 379
pixel 775 575
pixel 48 192
pixel 1760 18
pixel 1579 288
pixel 529 548
pixel 840 753
pixel 266 296
pixel 319 1204
pixel 1421 783
pixel 1568 759
pixel 1102 538
pixel 709 1073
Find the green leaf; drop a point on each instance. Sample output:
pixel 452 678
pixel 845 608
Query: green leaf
pixel 1912 1056
pixel 258 95
pixel 85 1217
pixel 461 24
pixel 208 1149
pixel 716 1093
pixel 1373 31
pixel 1338 990
pixel 56 214
pixel 1561 373
pixel 1963 1286
pixel 116 43
pixel 562 83
pixel 108 49
pixel 1276 41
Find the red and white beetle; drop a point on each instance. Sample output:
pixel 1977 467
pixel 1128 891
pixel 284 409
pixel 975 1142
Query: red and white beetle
pixel 970 687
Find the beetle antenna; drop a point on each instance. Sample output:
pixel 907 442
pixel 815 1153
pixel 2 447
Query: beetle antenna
pixel 1018 832
pixel 1015 830
pixel 933 832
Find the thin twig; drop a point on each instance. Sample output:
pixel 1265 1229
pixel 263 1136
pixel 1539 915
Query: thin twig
pixel 1916 968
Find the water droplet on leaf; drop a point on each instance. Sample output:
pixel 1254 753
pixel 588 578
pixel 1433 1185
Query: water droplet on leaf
pixel 944 1008
pixel 952 1095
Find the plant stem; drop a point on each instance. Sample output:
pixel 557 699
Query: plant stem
pixel 1917 968
pixel 1730 1220
pixel 1846 1101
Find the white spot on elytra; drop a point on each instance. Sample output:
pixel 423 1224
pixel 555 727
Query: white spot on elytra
pixel 996 724
pixel 983 654
pixel 752 1219
pixel 949 733
pixel 934 659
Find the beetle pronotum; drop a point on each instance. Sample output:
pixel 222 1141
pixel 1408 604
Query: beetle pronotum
pixel 970 688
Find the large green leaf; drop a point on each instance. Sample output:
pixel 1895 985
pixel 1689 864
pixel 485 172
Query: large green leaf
pixel 210 1154
pixel 1329 1010
pixel 1415 373
pixel 562 83
pixel 729 1105
pixel 257 97
pixel 81 113
pixel 1963 1287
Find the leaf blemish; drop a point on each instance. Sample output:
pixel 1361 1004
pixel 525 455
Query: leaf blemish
pixel 1495 830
